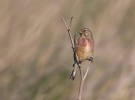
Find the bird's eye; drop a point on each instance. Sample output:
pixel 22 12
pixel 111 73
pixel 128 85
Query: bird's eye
pixel 84 30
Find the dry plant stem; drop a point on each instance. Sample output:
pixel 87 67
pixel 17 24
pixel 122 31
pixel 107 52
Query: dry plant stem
pixel 82 80
pixel 70 23
pixel 81 84
pixel 76 58
pixel 86 71
pixel 68 29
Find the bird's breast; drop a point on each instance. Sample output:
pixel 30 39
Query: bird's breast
pixel 84 49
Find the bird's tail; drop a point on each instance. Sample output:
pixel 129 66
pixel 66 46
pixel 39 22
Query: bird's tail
pixel 73 73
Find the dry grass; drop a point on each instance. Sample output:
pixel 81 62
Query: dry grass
pixel 35 54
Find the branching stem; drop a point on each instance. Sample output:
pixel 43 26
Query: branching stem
pixel 82 78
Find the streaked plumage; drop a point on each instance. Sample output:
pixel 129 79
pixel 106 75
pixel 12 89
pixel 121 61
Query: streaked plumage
pixel 84 48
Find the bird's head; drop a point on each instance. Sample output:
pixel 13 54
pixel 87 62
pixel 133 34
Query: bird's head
pixel 85 32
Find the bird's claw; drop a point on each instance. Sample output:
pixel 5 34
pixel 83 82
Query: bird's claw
pixel 91 59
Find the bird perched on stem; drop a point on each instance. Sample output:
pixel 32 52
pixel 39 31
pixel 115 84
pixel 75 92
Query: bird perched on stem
pixel 84 49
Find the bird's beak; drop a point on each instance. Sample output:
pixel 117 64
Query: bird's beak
pixel 80 32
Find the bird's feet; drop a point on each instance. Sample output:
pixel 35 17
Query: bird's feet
pixel 91 59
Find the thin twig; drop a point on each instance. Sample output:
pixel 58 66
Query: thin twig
pixel 68 29
pixel 76 61
pixel 82 81
pixel 75 39
pixel 70 23
pixel 86 72
pixel 71 39
pixel 81 84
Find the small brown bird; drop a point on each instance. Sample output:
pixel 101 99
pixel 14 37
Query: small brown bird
pixel 84 48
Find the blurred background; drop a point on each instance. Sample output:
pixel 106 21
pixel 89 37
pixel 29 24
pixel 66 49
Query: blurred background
pixel 36 56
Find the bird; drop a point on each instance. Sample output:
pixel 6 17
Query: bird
pixel 84 49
